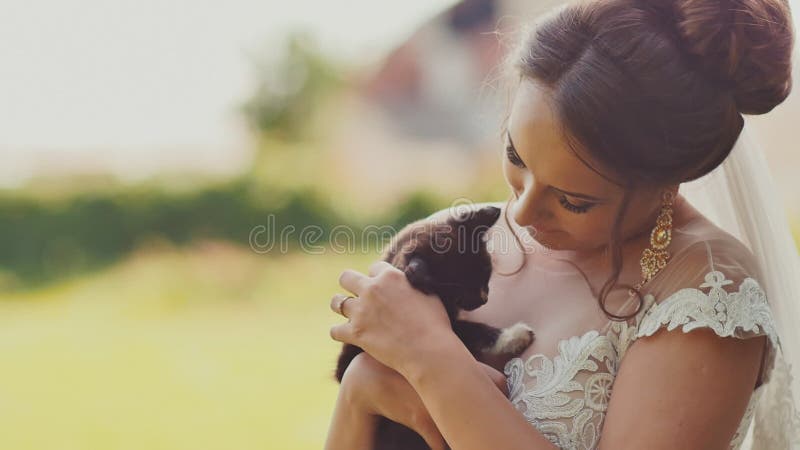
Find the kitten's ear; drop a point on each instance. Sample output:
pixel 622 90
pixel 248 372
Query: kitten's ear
pixel 480 219
pixel 463 216
pixel 486 216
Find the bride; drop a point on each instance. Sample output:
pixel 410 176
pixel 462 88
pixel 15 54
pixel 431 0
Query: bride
pixel 663 307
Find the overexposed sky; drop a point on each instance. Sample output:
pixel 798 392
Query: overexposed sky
pixel 136 86
pixel 141 86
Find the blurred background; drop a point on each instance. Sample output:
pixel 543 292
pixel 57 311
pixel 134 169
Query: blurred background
pixel 148 148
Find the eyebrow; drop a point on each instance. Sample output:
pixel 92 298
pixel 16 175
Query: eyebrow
pixel 571 194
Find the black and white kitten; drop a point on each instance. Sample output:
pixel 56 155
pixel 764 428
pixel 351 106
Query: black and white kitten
pixel 448 259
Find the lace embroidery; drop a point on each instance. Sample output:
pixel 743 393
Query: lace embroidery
pixel 777 422
pixel 728 314
pixel 547 399
pixel 568 395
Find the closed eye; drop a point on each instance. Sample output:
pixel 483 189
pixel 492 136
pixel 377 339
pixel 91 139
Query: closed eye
pixel 513 156
pixel 575 207
pixel 579 208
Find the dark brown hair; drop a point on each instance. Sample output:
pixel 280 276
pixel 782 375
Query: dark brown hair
pixel 655 89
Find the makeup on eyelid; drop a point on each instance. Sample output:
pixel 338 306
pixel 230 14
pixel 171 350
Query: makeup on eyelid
pixel 513 157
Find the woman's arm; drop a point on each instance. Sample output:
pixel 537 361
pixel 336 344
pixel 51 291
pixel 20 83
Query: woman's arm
pixel 674 390
pixel 681 390
pixel 469 412
pixel 351 427
pixel 410 332
pixel 370 389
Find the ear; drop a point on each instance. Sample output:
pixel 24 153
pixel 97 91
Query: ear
pixel 463 217
pixel 479 220
pixel 486 216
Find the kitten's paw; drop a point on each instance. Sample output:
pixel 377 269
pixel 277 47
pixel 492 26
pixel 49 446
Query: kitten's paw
pixel 513 340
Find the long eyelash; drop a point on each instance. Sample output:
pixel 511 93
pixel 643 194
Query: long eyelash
pixel 513 157
pixel 577 209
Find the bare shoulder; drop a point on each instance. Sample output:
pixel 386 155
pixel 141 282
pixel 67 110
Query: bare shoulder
pixel 681 390
pixel 685 382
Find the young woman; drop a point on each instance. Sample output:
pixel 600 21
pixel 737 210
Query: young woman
pixel 652 329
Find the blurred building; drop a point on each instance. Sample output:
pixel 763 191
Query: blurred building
pixel 429 114
pixel 440 90
pixel 442 82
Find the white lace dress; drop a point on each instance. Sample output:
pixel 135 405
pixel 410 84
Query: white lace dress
pixel 709 285
pixel 564 381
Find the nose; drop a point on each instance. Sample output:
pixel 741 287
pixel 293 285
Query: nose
pixel 530 207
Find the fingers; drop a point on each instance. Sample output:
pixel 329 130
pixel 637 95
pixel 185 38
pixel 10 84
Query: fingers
pixel 339 304
pixel 343 304
pixel 353 281
pixel 356 282
pixel 378 267
pixel 341 333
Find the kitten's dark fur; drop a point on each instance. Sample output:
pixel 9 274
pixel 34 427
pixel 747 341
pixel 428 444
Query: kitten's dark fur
pixel 448 259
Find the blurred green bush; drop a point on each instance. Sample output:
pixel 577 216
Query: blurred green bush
pixel 46 239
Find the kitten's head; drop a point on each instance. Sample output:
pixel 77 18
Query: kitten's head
pixel 452 260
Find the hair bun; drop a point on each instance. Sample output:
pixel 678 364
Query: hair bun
pixel 746 44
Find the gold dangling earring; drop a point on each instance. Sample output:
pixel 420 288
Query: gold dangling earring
pixel 656 257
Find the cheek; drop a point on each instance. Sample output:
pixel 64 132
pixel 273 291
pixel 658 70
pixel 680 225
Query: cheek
pixel 512 176
pixel 583 231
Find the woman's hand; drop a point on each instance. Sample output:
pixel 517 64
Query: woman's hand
pixel 381 391
pixel 389 319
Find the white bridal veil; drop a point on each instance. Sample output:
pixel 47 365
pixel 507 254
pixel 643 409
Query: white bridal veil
pixel 740 197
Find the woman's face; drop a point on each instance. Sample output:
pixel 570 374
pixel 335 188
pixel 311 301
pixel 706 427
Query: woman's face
pixel 562 202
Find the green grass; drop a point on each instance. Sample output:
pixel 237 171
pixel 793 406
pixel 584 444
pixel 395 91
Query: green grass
pixel 214 347
pixel 210 347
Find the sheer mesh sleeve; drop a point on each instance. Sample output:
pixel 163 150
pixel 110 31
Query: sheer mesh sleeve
pixel 711 284
pixel 714 284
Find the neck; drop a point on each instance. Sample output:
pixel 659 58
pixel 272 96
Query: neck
pixel 636 241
